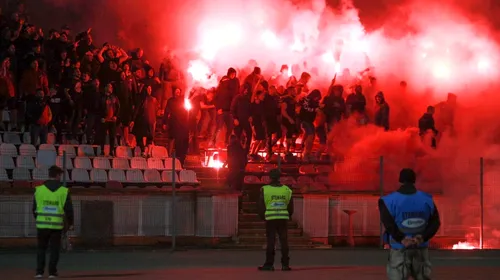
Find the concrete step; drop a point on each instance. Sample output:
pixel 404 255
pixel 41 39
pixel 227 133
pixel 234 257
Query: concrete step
pixel 262 225
pixel 278 248
pixel 255 239
pixel 295 232
pixel 249 217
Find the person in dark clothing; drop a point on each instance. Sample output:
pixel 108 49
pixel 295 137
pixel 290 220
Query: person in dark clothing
pixel 257 112
pixel 381 117
pixel 91 105
pixel 110 111
pixel 333 107
pixel 288 116
pixel 307 115
pixel 38 117
pixel 427 127
pixel 145 121
pixel 241 113
pixel 275 206
pixel 77 113
pixel 126 91
pixel 236 164
pixel 176 117
pixel 208 112
pixel 228 89
pixel 356 102
pixel 47 201
pixel 411 218
pixel 271 119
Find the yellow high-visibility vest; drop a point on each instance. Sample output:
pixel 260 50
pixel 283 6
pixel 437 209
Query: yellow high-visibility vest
pixel 276 200
pixel 50 207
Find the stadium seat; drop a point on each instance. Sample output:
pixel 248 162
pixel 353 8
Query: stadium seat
pixel 40 174
pixel 21 174
pixel 159 152
pixel 155 163
pixel 8 149
pixel 254 168
pixel 307 169
pixel 287 180
pixel 4 177
pixel 317 187
pixel 27 150
pixel 168 164
pixel 7 162
pixel 86 151
pixel 25 162
pixel 12 138
pixel 121 163
pixel 138 163
pixel 304 181
pixel 322 179
pixel 101 163
pixel 45 158
pixel 80 175
pixel 137 152
pixel 135 176
pixel 265 180
pixel 69 149
pixel 166 176
pixel 117 175
pixel 98 175
pixel 26 138
pixel 268 167
pixel 188 176
pixel 83 163
pixel 123 152
pixel 66 176
pixel 152 175
pixel 49 147
pixel 323 169
pixel 69 162
pixel 251 179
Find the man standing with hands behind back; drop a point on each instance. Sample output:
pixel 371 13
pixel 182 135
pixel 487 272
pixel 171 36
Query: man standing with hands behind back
pixel 52 208
pixel 411 219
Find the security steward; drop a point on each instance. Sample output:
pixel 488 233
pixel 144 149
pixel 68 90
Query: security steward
pixel 53 209
pixel 275 206
pixel 411 219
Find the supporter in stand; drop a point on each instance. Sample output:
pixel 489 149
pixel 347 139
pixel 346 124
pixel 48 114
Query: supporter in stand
pixel 109 113
pixel 176 117
pixel 307 115
pixel 227 90
pixel 38 117
pixel 144 124
pixel 208 113
pixel 241 111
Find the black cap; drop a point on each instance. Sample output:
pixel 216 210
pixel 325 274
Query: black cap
pixel 407 175
pixel 55 171
pixel 274 174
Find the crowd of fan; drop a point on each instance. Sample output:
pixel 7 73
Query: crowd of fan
pixel 56 83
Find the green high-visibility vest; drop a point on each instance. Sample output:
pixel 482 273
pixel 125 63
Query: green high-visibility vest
pixel 277 199
pixel 50 207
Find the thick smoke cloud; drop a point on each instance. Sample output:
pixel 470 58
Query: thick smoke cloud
pixel 437 48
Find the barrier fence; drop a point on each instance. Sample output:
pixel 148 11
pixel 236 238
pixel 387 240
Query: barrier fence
pixel 346 212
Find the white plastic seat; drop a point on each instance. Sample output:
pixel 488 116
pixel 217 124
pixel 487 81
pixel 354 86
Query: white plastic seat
pixel 46 158
pixel 101 163
pixel 86 151
pixel 168 164
pixel 80 175
pixel 251 179
pixel 25 162
pixel 26 138
pixel 27 150
pixel 123 152
pixel 4 177
pixel 7 162
pixel 12 138
pixel 40 174
pixel 159 152
pixel 121 163
pixel 188 176
pixel 83 163
pixel 69 162
pixel 98 175
pixel 135 176
pixel 152 175
pixel 138 163
pixel 117 175
pixel 8 149
pixel 66 176
pixel 307 169
pixel 155 163
pixel 21 174
pixel 69 149
pixel 49 147
pixel 166 176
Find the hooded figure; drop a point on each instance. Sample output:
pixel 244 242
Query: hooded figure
pixel 381 111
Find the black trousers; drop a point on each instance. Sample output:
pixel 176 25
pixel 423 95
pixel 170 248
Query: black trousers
pixel 104 128
pixel 45 238
pixel 244 127
pixel 281 228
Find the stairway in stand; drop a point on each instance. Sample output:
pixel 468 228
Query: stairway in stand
pixel 252 231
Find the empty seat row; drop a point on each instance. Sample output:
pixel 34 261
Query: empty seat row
pixel 77 150
pixel 303 169
pixel 47 158
pixel 287 180
pixel 102 176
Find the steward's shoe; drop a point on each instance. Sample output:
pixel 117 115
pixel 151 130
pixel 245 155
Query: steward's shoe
pixel 286 268
pixel 266 268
